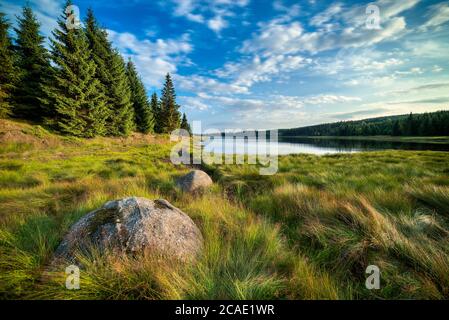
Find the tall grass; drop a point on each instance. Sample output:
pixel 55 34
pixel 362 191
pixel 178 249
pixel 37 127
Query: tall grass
pixel 308 232
pixel 349 211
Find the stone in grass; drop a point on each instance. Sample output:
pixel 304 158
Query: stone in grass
pixel 194 181
pixel 134 226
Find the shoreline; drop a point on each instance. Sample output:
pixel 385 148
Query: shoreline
pixel 407 139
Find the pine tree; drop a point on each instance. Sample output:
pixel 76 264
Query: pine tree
pixel 101 53
pixel 34 66
pixel 143 116
pixel 74 96
pixel 170 116
pixel 156 111
pixel 185 124
pixel 111 73
pixel 8 70
pixel 121 120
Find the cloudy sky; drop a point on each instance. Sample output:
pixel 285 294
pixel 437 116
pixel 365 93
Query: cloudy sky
pixel 278 63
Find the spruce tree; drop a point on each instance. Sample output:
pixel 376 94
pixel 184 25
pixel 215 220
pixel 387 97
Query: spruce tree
pixel 114 83
pixel 156 111
pixel 121 119
pixel 185 124
pixel 34 67
pixel 8 70
pixel 170 116
pixel 142 109
pixel 74 96
pixel 101 53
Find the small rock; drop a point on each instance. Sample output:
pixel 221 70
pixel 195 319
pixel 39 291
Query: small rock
pixel 194 181
pixel 134 225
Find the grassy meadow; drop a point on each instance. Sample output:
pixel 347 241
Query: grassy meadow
pixel 308 232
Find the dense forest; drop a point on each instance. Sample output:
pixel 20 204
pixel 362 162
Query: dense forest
pixel 427 124
pixel 81 86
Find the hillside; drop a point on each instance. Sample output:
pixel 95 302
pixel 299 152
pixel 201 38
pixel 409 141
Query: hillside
pixel 427 124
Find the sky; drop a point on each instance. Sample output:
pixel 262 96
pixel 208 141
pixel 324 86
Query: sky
pixel 266 64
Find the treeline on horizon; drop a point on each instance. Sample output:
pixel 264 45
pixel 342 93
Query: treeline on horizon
pixel 81 86
pixel 426 124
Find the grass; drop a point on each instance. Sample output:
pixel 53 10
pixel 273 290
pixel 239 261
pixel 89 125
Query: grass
pixel 308 232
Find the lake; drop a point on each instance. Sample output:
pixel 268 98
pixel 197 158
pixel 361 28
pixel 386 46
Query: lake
pixel 309 145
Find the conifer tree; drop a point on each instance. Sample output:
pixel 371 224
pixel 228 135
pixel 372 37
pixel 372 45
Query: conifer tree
pixel 143 116
pixel 111 73
pixel 121 119
pixel 74 96
pixel 156 110
pixel 170 116
pixel 185 124
pixel 34 67
pixel 7 68
pixel 101 52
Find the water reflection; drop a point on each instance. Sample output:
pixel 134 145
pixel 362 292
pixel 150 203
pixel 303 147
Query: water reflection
pixel 317 146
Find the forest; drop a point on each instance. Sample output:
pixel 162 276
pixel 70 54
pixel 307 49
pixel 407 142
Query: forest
pixel 82 86
pixel 426 124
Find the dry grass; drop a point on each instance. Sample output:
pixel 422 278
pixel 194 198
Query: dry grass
pixel 308 232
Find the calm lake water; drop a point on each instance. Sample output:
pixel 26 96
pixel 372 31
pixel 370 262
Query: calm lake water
pixel 315 146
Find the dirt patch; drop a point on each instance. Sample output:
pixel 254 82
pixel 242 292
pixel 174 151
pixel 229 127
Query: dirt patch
pixel 20 133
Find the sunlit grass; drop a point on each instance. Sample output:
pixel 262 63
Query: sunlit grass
pixel 308 232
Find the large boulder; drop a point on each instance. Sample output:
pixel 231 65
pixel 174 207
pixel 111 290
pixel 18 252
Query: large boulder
pixel 134 226
pixel 194 181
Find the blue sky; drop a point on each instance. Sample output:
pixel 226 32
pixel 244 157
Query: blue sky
pixel 262 64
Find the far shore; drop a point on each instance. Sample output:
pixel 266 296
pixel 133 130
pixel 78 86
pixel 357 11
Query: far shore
pixel 408 139
pixel 436 140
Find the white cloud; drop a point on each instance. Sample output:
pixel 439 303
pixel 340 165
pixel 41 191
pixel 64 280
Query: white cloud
pixel 193 103
pixel 327 15
pixel 217 23
pixel 347 61
pixel 358 114
pixel 185 8
pixel 280 44
pixel 391 8
pixel 291 38
pixel 284 37
pixel 288 11
pixel 437 68
pixel 152 59
pixel 439 15
pixel 281 101
pixel 275 38
pixel 258 69
pixel 213 13
pixel 273 103
pixel 330 99
pixel 388 9
pixel 199 83
pixel 427 87
pixel 284 111
pixel 46 11
pixel 405 107
pixel 411 71
pixel 280 35
pixel 427 48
